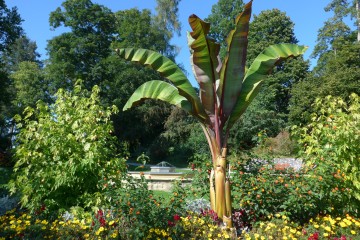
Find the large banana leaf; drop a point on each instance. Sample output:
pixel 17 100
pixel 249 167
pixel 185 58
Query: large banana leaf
pixel 160 90
pixel 169 70
pixel 233 68
pixel 258 71
pixel 204 62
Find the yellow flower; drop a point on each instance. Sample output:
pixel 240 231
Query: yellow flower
pixel 316 226
pixel 353 232
pixel 348 222
pixel 76 221
pixel 326 234
pixel 342 224
pixel 114 235
pixel 86 235
pixel 256 235
pixel 327 228
pixel 111 223
pixel 44 222
pixel 101 229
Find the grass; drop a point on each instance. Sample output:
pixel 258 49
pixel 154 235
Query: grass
pixel 162 194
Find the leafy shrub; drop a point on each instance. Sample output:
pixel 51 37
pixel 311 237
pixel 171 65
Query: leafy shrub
pixel 63 151
pixel 281 145
pixel 262 190
pixel 333 137
pixel 136 209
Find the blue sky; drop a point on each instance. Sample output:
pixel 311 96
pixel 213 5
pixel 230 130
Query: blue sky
pixel 308 16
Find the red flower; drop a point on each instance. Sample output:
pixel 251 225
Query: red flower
pixel 171 224
pixel 176 217
pixel 100 217
pixel 315 236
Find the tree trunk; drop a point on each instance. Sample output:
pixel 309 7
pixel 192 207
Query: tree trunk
pixel 219 184
pixel 220 196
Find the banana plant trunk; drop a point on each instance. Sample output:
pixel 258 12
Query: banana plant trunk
pixel 220 196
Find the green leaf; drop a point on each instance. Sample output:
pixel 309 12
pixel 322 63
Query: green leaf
pixel 233 69
pixel 258 71
pixel 160 90
pixel 205 62
pixel 169 70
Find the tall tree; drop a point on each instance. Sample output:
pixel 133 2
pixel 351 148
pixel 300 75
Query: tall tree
pixel 76 54
pixel 222 19
pixel 167 21
pixel 336 31
pixel 23 49
pixel 10 25
pixel 26 82
pixel 167 17
pixel 10 30
pixel 145 33
pixel 337 71
pixel 344 8
pixel 340 77
pixel 29 84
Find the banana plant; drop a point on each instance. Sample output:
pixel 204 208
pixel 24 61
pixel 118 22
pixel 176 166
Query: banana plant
pixel 225 90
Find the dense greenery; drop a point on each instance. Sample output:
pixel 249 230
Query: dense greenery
pixel 63 150
pixel 10 31
pixel 332 138
pixel 64 144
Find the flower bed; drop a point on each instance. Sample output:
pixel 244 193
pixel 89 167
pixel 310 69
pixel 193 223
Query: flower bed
pixel 17 225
